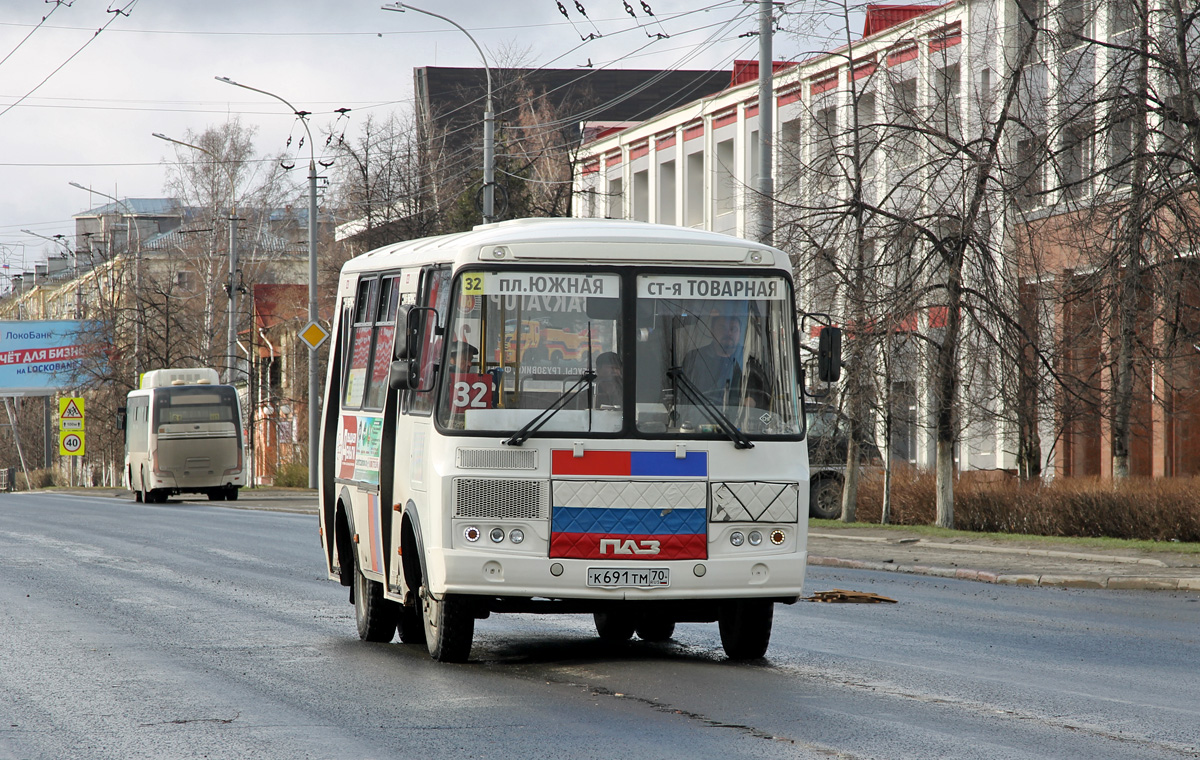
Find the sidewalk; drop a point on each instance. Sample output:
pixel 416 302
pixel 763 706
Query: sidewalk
pixel 1016 562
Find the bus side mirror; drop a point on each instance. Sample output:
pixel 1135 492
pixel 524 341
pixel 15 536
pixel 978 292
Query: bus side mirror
pixel 829 354
pixel 405 334
pixel 400 375
pixel 408 341
pixel 121 419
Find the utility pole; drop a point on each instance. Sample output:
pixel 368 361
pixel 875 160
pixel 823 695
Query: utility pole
pixel 766 124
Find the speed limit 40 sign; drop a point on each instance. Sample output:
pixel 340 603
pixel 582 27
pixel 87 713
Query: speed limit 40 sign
pixel 70 443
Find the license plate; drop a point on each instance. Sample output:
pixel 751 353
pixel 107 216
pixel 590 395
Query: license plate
pixel 620 577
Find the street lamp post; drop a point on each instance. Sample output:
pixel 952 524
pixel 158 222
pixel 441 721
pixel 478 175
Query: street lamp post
pixel 489 117
pixel 313 379
pixel 231 342
pixel 66 247
pixel 131 221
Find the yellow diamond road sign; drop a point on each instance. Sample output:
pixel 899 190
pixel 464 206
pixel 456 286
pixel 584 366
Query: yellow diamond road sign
pixel 313 334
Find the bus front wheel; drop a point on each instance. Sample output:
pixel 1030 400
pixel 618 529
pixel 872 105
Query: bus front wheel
pixel 449 626
pixel 746 628
pixel 375 616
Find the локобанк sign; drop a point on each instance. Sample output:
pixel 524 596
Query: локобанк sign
pixel 40 358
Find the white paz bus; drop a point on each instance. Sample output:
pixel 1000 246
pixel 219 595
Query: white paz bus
pixel 183 434
pixel 566 416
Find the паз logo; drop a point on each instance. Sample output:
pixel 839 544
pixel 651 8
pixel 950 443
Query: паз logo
pixel 628 546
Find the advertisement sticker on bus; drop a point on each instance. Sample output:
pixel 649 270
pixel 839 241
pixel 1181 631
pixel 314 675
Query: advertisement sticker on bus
pixel 370 437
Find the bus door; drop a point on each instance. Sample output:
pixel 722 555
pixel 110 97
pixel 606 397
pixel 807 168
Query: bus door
pixel 361 440
pixel 413 424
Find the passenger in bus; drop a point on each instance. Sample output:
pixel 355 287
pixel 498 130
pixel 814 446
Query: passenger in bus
pixel 608 380
pixel 462 355
pixel 715 369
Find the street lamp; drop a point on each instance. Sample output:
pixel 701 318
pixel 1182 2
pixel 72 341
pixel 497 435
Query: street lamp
pixel 231 344
pixel 137 275
pixel 313 380
pixel 489 117
pixel 60 240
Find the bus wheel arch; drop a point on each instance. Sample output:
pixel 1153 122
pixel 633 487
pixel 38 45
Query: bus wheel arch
pixel 412 625
pixel 448 623
pixel 343 543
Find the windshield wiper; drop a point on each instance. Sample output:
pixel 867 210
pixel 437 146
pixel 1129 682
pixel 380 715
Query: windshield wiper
pixel 585 381
pixel 740 440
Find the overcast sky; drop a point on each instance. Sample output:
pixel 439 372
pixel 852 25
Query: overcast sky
pixel 78 105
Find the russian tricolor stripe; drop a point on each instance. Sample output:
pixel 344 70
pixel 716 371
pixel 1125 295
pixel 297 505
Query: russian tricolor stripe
pixel 658 464
pixel 628 533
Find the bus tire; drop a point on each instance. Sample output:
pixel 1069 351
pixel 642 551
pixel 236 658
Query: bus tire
pixel 449 626
pixel 825 499
pixel 375 616
pixel 216 494
pixel 655 628
pixel 614 627
pixel 231 493
pixel 745 626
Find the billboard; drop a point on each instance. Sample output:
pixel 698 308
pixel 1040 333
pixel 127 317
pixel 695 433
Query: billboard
pixel 39 358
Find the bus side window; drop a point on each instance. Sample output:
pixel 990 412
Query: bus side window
pixel 358 360
pixel 435 293
pixel 384 336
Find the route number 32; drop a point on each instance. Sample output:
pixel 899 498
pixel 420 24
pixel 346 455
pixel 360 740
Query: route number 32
pixel 472 391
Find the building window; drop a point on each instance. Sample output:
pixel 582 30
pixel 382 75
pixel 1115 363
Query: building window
pixel 666 193
pixel 614 200
pixel 641 196
pixel 694 196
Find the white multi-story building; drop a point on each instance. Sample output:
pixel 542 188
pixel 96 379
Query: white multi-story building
pixel 901 118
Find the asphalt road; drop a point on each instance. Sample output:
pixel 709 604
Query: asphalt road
pixel 186 630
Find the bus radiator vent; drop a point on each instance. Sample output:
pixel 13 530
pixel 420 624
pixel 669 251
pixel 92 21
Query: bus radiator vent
pixel 501 499
pixel 497 459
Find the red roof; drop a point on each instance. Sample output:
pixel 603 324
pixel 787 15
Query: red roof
pixel 279 303
pixel 747 71
pixel 880 17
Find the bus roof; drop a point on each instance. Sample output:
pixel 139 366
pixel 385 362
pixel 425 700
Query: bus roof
pixel 587 240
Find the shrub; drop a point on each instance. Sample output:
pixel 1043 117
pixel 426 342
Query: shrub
pixel 1157 510
pixel 292 475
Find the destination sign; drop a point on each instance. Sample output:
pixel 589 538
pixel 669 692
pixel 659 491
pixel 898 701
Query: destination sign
pixel 713 287
pixel 541 284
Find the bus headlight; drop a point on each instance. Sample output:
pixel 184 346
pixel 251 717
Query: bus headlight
pixel 755 538
pixel 471 533
pixel 516 535
pixel 778 536
pixel 497 535
pixel 736 538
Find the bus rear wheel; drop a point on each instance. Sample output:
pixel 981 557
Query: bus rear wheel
pixel 746 628
pixel 449 626
pixel 375 616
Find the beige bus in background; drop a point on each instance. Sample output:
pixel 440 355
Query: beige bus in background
pixel 183 434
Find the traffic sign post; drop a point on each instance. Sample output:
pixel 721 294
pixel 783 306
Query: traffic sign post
pixel 314 335
pixel 70 443
pixel 71 425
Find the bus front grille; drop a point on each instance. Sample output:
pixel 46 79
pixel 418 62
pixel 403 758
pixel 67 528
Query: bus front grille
pixel 497 459
pixel 501 499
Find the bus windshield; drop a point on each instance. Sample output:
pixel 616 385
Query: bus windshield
pixel 715 351
pixel 519 343
pixel 195 404
pixel 543 350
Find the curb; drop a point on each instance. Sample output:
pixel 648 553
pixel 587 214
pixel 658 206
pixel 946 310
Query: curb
pixel 1124 582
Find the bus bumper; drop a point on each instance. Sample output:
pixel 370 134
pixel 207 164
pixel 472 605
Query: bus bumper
pixel 761 575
